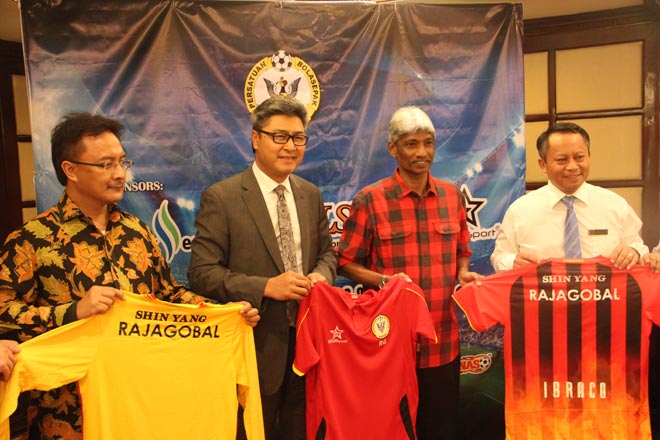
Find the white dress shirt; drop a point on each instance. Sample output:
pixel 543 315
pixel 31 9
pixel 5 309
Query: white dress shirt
pixel 535 224
pixel 267 186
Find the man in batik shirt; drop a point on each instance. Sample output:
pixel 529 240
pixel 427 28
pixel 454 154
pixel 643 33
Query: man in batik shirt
pixel 73 260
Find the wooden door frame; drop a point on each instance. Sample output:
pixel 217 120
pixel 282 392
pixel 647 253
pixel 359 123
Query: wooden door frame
pixel 638 23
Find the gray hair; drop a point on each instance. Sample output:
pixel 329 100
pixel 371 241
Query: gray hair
pixel 408 120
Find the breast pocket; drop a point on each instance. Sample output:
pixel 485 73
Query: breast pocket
pixel 395 244
pixel 445 239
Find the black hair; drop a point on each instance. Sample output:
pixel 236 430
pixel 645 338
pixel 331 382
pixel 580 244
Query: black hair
pixel 66 136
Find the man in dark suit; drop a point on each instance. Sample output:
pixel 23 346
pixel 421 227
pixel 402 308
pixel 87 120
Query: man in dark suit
pixel 267 245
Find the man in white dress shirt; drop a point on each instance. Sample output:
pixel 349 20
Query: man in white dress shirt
pixel 533 226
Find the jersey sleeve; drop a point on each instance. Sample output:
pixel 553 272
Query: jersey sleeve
pixel 248 382
pixel 650 282
pixel 488 304
pixel 306 354
pixel 49 361
pixel 423 321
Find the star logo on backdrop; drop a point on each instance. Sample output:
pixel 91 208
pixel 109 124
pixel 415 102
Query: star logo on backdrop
pixel 472 206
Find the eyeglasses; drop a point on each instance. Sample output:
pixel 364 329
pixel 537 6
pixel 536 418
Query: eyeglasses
pixel 107 166
pixel 299 140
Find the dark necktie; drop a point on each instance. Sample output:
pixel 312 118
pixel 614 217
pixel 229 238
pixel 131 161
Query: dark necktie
pixel 288 247
pixel 572 247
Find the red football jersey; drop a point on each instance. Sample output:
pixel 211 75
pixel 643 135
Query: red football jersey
pixel 576 345
pixel 358 352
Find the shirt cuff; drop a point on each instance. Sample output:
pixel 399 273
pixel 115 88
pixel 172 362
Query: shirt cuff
pixel 505 262
pixel 641 249
pixel 71 314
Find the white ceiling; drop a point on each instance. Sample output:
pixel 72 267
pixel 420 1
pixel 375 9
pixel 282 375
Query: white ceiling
pixel 10 22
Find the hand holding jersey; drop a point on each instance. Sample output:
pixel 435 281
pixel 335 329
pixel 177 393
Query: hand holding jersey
pixel 653 260
pixel 8 350
pixel 98 299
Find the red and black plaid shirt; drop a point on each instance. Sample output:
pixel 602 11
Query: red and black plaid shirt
pixel 392 229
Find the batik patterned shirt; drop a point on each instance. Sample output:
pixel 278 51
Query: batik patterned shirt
pixel 49 264
pixel 392 229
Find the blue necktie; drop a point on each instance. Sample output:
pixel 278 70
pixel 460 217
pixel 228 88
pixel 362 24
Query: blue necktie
pixel 572 247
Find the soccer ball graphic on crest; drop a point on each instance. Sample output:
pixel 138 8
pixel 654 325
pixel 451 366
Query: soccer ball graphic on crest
pixel 281 60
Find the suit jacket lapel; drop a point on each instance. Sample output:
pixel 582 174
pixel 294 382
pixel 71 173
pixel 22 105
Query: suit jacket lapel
pixel 256 204
pixel 303 208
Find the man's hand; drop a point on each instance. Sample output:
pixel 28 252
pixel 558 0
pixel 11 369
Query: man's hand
pixel 396 275
pixel 288 286
pixel 652 260
pixel 401 275
pixel 316 277
pixel 624 257
pixel 7 359
pixel 523 258
pixel 97 300
pixel 249 313
pixel 465 277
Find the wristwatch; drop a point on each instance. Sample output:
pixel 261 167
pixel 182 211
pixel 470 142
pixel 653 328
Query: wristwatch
pixel 383 281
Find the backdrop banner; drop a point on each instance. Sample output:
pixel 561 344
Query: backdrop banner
pixel 183 77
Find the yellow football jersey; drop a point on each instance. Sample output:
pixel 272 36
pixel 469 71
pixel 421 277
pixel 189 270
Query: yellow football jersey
pixel 148 369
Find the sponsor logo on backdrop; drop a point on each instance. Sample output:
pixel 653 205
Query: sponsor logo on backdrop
pixel 337 214
pixel 356 289
pixel 141 186
pixel 282 74
pixel 168 233
pixel 472 207
pixel 476 363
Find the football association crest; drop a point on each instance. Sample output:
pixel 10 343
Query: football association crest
pixel 285 75
pixel 380 326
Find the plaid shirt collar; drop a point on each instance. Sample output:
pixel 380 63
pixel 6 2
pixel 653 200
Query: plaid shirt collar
pixel 402 190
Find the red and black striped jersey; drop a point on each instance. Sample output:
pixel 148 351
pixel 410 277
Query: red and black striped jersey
pixel 358 352
pixel 576 345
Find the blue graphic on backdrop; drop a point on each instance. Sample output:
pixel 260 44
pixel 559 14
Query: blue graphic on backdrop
pixel 167 231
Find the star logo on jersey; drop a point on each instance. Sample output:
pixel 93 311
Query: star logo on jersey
pixel 380 326
pixel 336 333
pixel 336 336
pixel 472 206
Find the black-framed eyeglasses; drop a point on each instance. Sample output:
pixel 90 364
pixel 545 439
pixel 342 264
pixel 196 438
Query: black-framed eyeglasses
pixel 281 138
pixel 107 166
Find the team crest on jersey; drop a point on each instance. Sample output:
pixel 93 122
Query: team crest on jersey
pixel 380 326
pixel 282 74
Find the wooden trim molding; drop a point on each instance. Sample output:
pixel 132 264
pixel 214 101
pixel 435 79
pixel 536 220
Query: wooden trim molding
pixel 11 63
